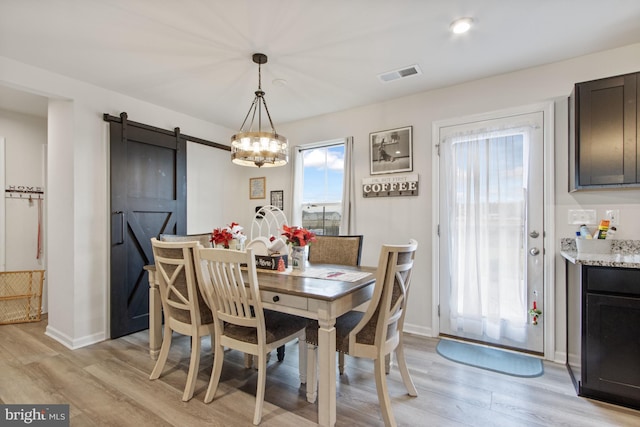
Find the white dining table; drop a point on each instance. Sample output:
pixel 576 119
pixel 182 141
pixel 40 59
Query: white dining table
pixel 320 298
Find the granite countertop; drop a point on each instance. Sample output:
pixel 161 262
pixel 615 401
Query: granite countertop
pixel 624 253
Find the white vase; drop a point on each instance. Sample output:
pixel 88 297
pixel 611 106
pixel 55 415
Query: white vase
pixel 234 244
pixel 298 257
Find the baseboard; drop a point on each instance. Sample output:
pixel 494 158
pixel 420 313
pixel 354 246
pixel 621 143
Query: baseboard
pixel 72 343
pixel 417 330
pixel 560 357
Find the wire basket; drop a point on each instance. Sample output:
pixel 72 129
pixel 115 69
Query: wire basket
pixel 21 296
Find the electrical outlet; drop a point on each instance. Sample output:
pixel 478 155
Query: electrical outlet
pixel 613 215
pixel 581 216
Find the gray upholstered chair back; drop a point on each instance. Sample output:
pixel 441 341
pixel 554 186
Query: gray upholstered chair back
pixel 383 322
pixel 204 239
pixel 343 250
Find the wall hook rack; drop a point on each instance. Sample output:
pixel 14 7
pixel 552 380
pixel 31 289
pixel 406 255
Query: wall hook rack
pixel 22 192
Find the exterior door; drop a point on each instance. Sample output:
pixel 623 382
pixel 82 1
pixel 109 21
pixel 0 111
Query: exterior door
pixel 148 197
pixel 491 231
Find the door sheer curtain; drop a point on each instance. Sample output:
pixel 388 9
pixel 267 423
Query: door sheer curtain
pixel 486 184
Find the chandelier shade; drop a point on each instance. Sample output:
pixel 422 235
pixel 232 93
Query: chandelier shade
pixel 259 148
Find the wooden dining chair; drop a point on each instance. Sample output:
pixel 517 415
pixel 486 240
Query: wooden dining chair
pixel 185 311
pixel 240 322
pixel 341 250
pixel 377 332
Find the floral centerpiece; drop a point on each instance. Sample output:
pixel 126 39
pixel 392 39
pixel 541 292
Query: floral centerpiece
pixel 225 236
pixel 298 236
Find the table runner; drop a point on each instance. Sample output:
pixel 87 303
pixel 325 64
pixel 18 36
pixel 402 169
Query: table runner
pixel 323 273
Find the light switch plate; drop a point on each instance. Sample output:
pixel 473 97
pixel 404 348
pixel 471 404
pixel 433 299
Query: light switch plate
pixel 613 215
pixel 581 216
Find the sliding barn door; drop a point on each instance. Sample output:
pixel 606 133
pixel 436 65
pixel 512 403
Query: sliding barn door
pixel 148 197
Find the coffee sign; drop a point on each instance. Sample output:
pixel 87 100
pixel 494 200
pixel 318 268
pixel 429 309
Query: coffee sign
pixel 392 186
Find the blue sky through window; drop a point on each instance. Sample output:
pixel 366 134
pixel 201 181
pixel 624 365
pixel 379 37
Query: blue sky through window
pixel 323 174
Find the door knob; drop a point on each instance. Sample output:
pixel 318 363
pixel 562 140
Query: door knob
pixel 534 251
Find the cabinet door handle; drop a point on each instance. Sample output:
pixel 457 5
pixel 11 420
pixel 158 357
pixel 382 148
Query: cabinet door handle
pixel 276 298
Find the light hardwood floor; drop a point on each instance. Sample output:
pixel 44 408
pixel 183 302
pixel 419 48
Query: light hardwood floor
pixel 107 384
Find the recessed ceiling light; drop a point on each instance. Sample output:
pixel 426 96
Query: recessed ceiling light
pixel 461 25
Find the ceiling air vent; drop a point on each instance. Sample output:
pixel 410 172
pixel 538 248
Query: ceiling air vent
pixel 412 70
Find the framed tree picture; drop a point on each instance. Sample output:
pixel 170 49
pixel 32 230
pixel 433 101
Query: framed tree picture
pixel 391 150
pixel 257 188
pixel 277 199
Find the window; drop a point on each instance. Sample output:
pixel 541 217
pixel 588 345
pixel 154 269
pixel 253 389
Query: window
pixel 320 186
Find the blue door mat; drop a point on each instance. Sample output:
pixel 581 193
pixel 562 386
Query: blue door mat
pixel 491 359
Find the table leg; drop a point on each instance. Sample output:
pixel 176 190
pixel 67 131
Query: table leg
pixel 312 373
pixel 327 375
pixel 155 317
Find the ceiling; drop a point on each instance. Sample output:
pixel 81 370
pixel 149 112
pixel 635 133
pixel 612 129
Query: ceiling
pixel 194 56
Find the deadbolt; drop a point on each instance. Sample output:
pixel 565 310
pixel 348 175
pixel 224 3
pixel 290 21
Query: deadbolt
pixel 534 234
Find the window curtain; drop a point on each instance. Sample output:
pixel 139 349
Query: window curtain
pixel 297 185
pixel 347 222
pixel 486 184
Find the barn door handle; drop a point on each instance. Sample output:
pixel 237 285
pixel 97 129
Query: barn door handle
pixel 121 213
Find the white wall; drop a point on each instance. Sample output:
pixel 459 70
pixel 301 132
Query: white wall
pixel 78 192
pixel 208 172
pixel 389 220
pixel 79 274
pixel 25 142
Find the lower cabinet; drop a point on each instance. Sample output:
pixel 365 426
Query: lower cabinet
pixel 604 358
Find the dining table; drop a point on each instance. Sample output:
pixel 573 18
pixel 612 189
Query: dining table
pixel 320 291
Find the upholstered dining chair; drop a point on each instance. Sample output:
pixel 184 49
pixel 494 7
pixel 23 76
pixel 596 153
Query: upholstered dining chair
pixel 185 311
pixel 377 332
pixel 342 250
pixel 240 322
pixel 203 238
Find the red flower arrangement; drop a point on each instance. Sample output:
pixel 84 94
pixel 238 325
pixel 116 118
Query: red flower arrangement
pixel 298 236
pixel 222 236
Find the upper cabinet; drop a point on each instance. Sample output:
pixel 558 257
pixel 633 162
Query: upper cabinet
pixel 604 126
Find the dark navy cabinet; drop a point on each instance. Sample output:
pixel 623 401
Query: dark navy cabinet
pixel 603 340
pixel 604 129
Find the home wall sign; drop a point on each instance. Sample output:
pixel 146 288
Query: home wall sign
pixel 24 192
pixel 392 186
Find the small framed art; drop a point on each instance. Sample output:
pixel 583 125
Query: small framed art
pixel 391 150
pixel 277 199
pixel 257 188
